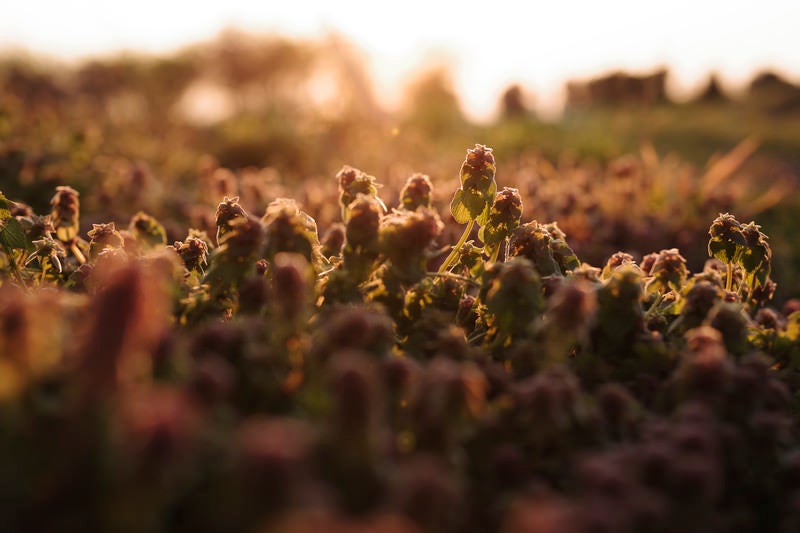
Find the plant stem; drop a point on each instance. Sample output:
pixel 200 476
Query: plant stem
pixel 729 278
pixel 652 309
pixel 14 266
pixel 495 254
pixel 476 337
pixel 453 276
pixel 456 249
pixel 77 253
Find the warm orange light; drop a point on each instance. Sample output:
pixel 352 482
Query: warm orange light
pixel 538 44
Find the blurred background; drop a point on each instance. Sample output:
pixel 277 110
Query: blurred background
pixel 632 125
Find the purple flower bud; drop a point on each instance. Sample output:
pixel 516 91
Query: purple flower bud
pixel 363 223
pixel 66 213
pixel 352 183
pixel 273 460
pixel 417 192
pixel 769 319
pixel 158 425
pixel 428 493
pixel 359 328
pixel 355 390
pixel 194 253
pixel 572 305
pixel 227 211
pixel 616 405
pixel 292 283
pixel 333 240
pixel 103 237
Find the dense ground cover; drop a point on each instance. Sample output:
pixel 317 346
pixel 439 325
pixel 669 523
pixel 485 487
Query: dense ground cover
pixel 261 377
pixel 223 327
pixel 125 133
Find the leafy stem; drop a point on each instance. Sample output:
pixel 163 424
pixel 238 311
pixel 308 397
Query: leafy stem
pixel 14 266
pixel 77 253
pixel 729 277
pixel 454 276
pixel 457 248
pixel 495 254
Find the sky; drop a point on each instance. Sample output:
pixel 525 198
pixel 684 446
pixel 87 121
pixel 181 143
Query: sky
pixel 488 45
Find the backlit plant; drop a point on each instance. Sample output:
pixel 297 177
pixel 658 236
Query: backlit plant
pixel 274 381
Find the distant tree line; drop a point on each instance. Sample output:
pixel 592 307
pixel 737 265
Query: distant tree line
pixel 768 91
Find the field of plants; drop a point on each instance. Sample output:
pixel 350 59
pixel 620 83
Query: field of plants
pixel 306 319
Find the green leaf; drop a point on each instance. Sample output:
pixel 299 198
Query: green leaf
pixel 751 259
pixel 12 235
pixel 459 209
pixel 5 207
pixel 755 260
pixel 492 234
pixel 487 198
pixel 483 174
pixel 483 216
pixel 564 255
pixel 723 250
pixel 793 326
pixel 763 275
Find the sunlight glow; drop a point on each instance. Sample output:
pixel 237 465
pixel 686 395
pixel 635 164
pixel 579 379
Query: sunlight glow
pixel 488 46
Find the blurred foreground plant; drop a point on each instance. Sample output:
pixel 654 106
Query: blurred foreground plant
pixel 275 381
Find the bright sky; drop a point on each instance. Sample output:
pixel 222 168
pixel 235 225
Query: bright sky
pixel 490 44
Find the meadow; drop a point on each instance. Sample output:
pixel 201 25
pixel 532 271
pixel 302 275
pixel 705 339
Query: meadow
pixel 314 314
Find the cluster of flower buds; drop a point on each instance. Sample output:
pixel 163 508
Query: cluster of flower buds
pixel 744 245
pixel 698 299
pixel 104 237
pixel 668 272
pixel 545 246
pixel 417 192
pixel 362 235
pixel 617 260
pixel 504 218
pixel 193 251
pixel 66 213
pixel 228 210
pixel 620 315
pixel 292 282
pixel 333 241
pixel 473 199
pixel 148 232
pixel 288 229
pixel 341 386
pixel 235 258
pixel 353 182
pixel 48 250
pixel 514 297
pixel 405 236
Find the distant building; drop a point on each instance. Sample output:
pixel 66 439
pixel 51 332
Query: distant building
pixel 712 93
pixel 618 89
pixel 774 94
pixel 513 104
